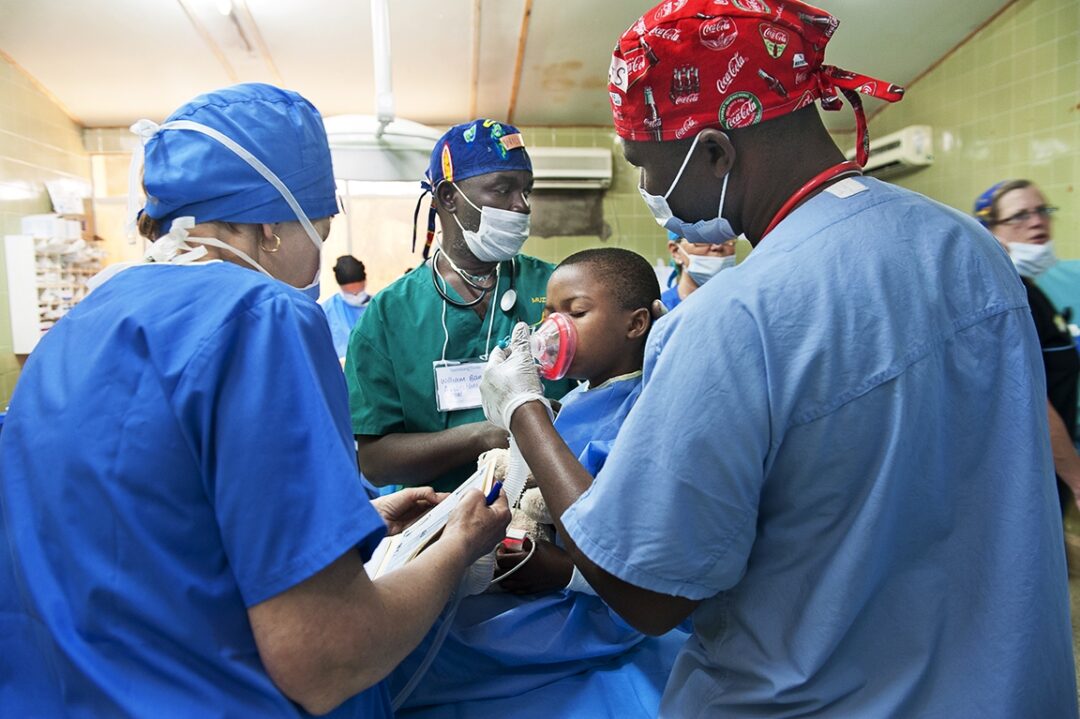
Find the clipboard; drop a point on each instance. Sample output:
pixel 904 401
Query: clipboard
pixel 397 551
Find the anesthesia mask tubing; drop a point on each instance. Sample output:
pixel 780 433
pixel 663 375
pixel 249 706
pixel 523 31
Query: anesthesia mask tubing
pixel 477 578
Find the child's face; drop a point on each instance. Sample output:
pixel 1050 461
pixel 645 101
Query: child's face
pixel 604 330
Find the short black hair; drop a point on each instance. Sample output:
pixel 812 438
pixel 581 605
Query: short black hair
pixel 348 269
pixel 626 275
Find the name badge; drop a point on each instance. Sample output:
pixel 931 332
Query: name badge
pixel 457 384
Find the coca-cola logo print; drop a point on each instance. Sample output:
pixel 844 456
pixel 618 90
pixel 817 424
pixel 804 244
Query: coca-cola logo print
pixel 775 39
pixel 806 99
pixel 735 65
pixel 668 8
pixel 718 34
pixel 868 88
pixel 685 85
pixel 740 110
pixel 687 126
pixel 752 6
pixel 665 33
pixel 635 64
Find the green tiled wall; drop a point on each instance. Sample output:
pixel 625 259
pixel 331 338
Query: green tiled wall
pixel 1005 105
pixel 38 142
pixel 631 224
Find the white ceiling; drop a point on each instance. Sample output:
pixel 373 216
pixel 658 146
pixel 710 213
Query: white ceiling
pixel 110 62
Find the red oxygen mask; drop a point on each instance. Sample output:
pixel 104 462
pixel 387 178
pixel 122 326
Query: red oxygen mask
pixel 553 344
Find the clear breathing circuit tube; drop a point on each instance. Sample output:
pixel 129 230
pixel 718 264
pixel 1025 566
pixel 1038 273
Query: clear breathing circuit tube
pixel 553 347
pixel 478 577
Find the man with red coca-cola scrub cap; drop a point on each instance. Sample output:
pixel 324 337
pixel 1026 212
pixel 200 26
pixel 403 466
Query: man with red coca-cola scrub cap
pixel 839 465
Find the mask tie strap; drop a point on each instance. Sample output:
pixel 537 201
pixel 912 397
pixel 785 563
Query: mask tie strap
pixel 172 247
pixel 686 161
pixel 144 129
pixel 258 166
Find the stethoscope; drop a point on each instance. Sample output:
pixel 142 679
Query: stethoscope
pixel 506 302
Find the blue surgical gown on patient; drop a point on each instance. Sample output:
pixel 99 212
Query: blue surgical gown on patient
pixel 177 451
pixel 561 654
pixel 853 474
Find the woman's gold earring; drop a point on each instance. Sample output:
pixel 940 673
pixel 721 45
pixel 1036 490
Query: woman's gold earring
pixel 275 248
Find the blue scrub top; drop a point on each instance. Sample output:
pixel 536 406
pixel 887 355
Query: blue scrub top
pixel 590 418
pixel 557 654
pixel 342 317
pixel 177 450
pixel 670 297
pixel 842 450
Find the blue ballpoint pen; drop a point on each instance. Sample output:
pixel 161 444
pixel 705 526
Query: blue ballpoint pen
pixel 494 493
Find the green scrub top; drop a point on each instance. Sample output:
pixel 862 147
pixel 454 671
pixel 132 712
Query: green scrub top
pixel 391 350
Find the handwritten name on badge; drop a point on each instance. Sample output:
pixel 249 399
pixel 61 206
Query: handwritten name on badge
pixel 457 385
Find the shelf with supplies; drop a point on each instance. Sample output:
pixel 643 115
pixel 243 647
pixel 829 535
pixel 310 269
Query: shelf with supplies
pixel 48 266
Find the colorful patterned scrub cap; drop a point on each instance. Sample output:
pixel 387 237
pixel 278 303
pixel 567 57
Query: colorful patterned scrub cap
pixel 690 64
pixel 984 203
pixel 188 173
pixel 474 148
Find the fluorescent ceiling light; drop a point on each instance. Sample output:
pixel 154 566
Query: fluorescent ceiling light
pixel 400 154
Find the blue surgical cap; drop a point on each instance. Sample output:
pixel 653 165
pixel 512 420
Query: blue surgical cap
pixel 473 148
pixel 984 203
pixel 476 148
pixel 189 173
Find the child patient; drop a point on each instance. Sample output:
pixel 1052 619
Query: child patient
pixel 548 647
pixel 607 294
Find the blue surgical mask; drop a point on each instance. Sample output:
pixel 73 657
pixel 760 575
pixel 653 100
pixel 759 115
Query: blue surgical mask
pixel 714 231
pixel 703 268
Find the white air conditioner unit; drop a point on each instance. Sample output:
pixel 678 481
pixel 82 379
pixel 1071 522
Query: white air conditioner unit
pixel 901 152
pixel 571 168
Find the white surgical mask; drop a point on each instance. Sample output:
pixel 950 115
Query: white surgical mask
pixel 500 235
pixel 355 300
pixel 703 268
pixel 715 231
pixel 168 248
pixel 1031 259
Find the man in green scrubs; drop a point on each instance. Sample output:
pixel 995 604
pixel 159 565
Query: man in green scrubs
pixel 415 357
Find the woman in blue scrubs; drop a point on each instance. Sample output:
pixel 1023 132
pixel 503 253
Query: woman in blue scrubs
pixel 183 525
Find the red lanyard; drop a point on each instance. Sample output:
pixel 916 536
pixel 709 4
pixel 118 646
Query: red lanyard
pixel 844 168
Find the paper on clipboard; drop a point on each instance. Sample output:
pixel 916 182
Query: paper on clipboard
pixel 396 551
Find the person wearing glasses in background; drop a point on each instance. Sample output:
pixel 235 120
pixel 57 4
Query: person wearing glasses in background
pixel 799 472
pixel 1019 217
pixel 695 264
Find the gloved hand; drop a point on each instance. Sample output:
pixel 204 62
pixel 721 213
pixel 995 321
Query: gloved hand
pixel 511 379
